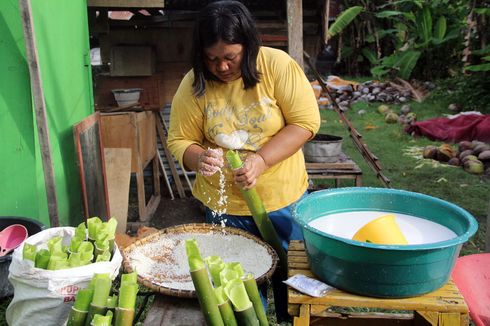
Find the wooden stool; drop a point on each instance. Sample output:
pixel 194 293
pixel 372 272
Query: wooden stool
pixel 345 168
pixel 443 307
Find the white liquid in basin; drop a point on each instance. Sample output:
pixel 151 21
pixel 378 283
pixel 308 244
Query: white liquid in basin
pixel 416 230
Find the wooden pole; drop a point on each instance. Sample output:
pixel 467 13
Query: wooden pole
pixel 295 30
pixel 40 110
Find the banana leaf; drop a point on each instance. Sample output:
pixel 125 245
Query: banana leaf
pixel 343 20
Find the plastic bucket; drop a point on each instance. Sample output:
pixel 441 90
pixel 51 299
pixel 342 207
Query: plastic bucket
pixel 390 271
pixel 383 230
pixel 32 227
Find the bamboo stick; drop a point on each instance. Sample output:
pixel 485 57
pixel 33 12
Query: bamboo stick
pixel 124 317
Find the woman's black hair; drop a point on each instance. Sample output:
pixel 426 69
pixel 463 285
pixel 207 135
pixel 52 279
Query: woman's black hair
pixel 231 23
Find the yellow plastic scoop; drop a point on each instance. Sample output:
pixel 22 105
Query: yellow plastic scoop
pixel 382 230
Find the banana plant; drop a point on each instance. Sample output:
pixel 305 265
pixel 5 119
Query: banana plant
pixel 416 34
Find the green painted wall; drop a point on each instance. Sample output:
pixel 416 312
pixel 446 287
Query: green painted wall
pixel 63 48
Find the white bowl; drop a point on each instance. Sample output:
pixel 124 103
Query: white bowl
pixel 127 96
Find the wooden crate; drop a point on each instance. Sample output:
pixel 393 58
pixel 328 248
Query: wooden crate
pixel 443 307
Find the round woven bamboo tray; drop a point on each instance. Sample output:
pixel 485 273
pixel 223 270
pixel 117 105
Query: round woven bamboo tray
pixel 192 228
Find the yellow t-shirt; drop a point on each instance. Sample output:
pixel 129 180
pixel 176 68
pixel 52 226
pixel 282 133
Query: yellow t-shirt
pixel 230 117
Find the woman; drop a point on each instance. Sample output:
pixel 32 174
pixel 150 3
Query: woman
pixel 249 98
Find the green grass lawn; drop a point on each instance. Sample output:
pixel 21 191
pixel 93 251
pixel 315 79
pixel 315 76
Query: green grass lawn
pixel 390 143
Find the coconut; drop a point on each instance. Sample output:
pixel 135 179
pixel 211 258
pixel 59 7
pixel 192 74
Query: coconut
pixel 465 145
pixel 391 117
pixel 469 158
pixel 445 152
pixel 474 166
pixel 405 109
pixel 454 161
pixel 480 148
pixel 484 156
pixel 465 153
pixel 383 109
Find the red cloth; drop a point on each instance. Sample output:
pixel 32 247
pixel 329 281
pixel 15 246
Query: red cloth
pixel 463 127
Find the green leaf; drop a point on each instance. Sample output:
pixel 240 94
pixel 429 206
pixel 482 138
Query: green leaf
pixel 406 62
pixel 370 55
pixel 409 15
pixel 479 68
pixel 483 11
pixel 440 28
pixel 424 25
pixel 486 58
pixel 379 71
pixel 483 51
pixel 344 19
pixel 388 13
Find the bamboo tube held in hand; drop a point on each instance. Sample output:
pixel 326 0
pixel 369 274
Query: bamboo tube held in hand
pixel 259 214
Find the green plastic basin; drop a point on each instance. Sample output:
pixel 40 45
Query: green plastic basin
pixel 386 271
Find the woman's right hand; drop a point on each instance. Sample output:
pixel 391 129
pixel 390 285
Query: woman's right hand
pixel 210 161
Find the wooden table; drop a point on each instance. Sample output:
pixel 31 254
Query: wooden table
pixel 443 307
pixel 345 168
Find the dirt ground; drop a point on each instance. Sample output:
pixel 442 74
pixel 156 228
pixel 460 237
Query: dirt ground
pixel 170 212
pixel 177 211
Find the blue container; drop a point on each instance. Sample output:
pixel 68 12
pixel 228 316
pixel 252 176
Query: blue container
pixel 387 271
pixel 32 227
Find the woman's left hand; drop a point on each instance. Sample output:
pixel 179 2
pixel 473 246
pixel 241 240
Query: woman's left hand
pixel 253 166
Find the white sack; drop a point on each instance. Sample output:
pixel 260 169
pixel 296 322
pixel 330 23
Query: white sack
pixel 44 297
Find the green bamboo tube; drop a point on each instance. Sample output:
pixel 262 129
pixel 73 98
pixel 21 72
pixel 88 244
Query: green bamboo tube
pixel 259 215
pixel 192 249
pixel 94 279
pixel 57 261
pixel 129 277
pixel 94 310
pixel 86 250
pixel 93 224
pixel 227 275
pixel 243 307
pixel 102 289
pixel 100 320
pixel 75 243
pixel 77 317
pixel 247 317
pixel 100 247
pixel 237 267
pixel 202 284
pixel 75 259
pixel 29 252
pixel 42 259
pixel 83 299
pixel 104 256
pixel 124 317
pixel 215 266
pixel 224 307
pixel 55 245
pixel 81 231
pixel 127 295
pixel 112 302
pixel 253 294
